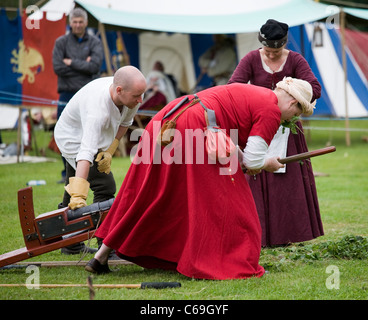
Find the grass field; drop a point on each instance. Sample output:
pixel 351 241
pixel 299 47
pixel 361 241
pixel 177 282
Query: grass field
pixel 332 267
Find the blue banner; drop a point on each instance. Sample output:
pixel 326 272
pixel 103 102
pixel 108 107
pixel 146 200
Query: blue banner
pixel 10 36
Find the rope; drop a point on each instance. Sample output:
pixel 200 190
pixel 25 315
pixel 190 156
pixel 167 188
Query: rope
pixel 21 98
pixel 84 253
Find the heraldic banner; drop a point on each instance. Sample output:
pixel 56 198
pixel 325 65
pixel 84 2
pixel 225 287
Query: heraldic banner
pixel 27 75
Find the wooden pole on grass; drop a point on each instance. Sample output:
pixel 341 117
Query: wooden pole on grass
pixel 143 285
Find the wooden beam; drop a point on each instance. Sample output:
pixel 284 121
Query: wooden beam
pixel 52 264
pixel 101 29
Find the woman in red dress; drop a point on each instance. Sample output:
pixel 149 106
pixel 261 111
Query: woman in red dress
pixel 286 200
pixel 177 209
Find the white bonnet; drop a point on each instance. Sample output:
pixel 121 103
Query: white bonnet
pixel 301 90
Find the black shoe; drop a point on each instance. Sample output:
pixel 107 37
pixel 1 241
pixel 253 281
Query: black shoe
pixel 77 249
pixel 95 266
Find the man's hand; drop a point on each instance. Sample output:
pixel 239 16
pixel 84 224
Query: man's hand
pixel 78 190
pixel 67 61
pixel 104 158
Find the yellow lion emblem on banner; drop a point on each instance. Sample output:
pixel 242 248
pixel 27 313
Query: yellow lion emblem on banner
pixel 27 61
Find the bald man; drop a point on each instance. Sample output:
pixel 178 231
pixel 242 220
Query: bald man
pixel 89 130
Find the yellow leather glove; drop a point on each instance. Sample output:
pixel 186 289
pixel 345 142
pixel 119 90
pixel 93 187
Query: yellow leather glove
pixel 104 158
pixel 78 190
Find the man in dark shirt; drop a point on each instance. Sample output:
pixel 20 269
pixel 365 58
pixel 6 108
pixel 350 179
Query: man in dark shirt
pixel 77 56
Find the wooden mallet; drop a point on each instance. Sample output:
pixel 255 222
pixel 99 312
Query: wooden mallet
pixel 307 155
pixel 302 156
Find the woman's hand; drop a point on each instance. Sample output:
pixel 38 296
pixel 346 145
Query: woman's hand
pixel 272 164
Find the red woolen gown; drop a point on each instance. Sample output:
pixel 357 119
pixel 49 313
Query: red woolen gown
pixel 185 215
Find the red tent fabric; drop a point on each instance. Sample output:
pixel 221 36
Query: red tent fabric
pixel 357 42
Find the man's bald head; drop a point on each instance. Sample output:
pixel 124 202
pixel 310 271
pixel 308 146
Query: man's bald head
pixel 127 77
pixel 129 84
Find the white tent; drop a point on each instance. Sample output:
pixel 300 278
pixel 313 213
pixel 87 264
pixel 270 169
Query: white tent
pixel 55 9
pixel 205 16
pixel 178 20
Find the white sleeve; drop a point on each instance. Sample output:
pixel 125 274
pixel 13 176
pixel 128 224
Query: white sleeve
pixel 128 116
pixel 255 152
pixel 92 130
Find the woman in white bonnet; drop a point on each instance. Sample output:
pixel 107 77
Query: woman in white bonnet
pixel 202 220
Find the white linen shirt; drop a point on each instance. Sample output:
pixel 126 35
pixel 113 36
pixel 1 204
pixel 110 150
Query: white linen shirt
pixel 254 152
pixel 90 121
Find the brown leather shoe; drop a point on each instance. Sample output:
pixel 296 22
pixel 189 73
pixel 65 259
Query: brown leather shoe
pixel 95 266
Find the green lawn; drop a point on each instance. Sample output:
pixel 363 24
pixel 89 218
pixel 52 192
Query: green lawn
pixel 328 268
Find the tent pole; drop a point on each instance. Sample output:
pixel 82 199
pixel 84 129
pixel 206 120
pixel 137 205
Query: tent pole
pixel 301 31
pixel 19 133
pixel 101 29
pixel 126 57
pixel 19 129
pixel 342 28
